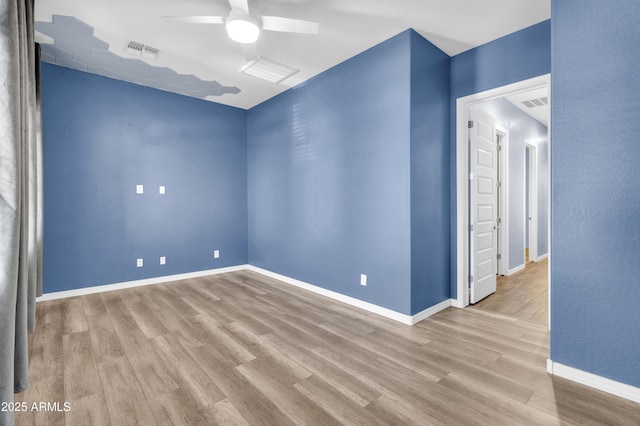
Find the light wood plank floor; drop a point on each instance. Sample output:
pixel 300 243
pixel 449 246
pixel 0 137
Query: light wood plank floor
pixel 524 294
pixel 240 348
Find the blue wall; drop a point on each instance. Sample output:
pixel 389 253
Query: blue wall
pixel 595 244
pixel 430 198
pixel 101 138
pixel 348 174
pixel 522 127
pixel 519 56
pixel 329 178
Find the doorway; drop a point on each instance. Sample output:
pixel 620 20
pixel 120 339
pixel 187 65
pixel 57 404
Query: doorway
pixel 463 243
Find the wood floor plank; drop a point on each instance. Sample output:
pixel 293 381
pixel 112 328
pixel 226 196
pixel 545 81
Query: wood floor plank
pixel 240 348
pixel 104 339
pixel 154 375
pixel 81 377
pixel 73 317
pixel 343 410
pixel 223 413
pixel 254 405
pixel 298 407
pixel 47 389
pixel 90 410
pixel 190 377
pixel 124 398
pixel 177 408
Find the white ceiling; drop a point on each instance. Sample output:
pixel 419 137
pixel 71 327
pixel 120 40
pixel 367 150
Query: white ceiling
pixel 347 27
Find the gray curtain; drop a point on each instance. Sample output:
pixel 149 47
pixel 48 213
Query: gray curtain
pixel 20 194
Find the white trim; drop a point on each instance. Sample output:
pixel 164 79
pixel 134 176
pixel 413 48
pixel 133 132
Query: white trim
pixel 539 258
pixel 379 310
pixel 613 387
pixel 431 311
pixel 137 283
pixel 531 225
pixel 504 200
pixel 462 220
pixel 516 269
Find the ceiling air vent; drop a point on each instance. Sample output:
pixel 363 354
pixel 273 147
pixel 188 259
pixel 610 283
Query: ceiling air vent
pixel 139 49
pixel 269 70
pixel 538 102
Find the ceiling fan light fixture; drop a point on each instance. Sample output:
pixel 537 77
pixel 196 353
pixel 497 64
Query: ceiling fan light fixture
pixel 243 29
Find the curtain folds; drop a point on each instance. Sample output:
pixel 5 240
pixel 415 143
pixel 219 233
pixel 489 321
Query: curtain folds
pixel 20 194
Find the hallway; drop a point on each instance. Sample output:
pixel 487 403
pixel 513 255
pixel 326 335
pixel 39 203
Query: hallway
pixel 523 295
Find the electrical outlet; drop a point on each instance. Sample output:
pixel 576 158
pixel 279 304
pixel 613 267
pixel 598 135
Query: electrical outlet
pixel 216 254
pixel 139 189
pixel 139 263
pixel 363 279
pixel 163 260
pixel 162 190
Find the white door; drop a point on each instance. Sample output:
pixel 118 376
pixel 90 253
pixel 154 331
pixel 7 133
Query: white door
pixel 483 235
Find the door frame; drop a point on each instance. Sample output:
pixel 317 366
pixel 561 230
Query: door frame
pixel 532 219
pixel 462 178
pixel 503 194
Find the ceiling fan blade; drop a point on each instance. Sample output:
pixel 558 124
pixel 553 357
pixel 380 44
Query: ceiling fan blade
pixel 288 25
pixel 250 51
pixel 241 5
pixel 194 19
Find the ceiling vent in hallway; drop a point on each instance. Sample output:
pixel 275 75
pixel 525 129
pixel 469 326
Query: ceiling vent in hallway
pixel 537 102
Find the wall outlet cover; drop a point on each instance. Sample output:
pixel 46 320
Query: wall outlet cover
pixel 139 189
pixel 216 254
pixel 363 279
pixel 163 260
pixel 139 263
pixel 162 190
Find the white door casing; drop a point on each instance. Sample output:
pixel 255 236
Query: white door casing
pixel 483 202
pixel 532 219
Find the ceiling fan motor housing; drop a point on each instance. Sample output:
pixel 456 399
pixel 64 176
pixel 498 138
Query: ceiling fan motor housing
pixel 242 27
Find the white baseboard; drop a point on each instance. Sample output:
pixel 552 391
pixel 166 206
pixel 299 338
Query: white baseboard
pixel 137 283
pixel 388 313
pixel 539 258
pixel 458 303
pixel 593 380
pixel 376 309
pixel 431 311
pixel 516 269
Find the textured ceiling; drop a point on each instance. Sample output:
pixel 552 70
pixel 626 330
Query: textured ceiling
pixel 75 46
pixel 346 29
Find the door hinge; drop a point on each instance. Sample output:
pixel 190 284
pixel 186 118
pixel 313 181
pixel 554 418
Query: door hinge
pixel 471 228
pixel 498 256
pixel 499 184
pixel 471 176
pixel 499 147
pixel 470 124
pixel 499 221
pixel 470 279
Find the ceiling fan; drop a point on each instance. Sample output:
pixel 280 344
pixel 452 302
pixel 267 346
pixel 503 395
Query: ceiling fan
pixel 244 27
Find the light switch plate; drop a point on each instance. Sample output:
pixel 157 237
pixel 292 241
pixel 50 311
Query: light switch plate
pixel 363 279
pixel 161 190
pixel 139 189
pixel 216 254
pixel 163 260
